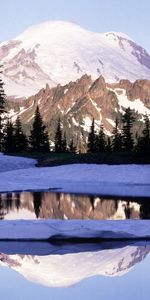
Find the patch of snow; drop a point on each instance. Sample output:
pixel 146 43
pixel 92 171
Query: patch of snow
pixel 136 105
pixel 11 113
pixel 87 123
pixel 39 101
pixel 75 122
pixel 24 214
pixel 65 91
pixel 30 118
pixel 111 122
pixel 97 108
pixel 72 105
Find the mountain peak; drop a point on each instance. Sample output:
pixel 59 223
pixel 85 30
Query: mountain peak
pixel 59 52
pixel 113 34
pixel 48 28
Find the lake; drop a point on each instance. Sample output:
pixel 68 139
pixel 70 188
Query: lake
pixel 117 270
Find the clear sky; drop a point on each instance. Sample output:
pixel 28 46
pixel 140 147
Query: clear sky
pixel 129 16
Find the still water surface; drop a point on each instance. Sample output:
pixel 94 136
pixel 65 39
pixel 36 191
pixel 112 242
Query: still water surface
pixel 94 271
pixel 110 270
pixel 46 205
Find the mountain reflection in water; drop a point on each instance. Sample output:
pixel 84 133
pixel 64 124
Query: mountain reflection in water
pixel 67 264
pixel 47 205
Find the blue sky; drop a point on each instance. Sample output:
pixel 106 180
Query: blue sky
pixel 129 16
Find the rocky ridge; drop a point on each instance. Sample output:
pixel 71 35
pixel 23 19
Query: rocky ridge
pixel 76 103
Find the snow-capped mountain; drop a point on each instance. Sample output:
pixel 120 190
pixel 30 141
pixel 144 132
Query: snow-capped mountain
pixel 58 52
pixel 66 270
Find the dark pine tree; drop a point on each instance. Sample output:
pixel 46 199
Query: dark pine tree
pixel 20 139
pixel 101 140
pixel 144 140
pixel 64 144
pixel 127 138
pixel 39 140
pixel 8 140
pixel 37 201
pixel 58 138
pixel 117 138
pixel 2 110
pixel 72 147
pixel 91 144
pixel 108 147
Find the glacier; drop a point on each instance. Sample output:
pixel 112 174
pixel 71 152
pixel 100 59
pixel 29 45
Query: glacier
pixel 57 52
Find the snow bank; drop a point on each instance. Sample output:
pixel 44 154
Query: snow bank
pixel 54 230
pixel 20 174
pixel 122 180
pixel 8 163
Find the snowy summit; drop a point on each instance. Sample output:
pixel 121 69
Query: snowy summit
pixel 58 52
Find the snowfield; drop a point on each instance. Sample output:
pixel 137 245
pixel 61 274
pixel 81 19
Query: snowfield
pixel 10 163
pixel 20 174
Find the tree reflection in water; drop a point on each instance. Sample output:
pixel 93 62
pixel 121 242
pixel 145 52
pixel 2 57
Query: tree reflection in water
pixel 46 205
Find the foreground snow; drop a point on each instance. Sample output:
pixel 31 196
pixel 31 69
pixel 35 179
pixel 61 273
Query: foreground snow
pixel 61 230
pixel 122 180
pixel 10 163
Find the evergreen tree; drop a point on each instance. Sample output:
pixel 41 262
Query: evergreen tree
pixel 58 138
pixel 8 140
pixel 20 139
pixel 127 138
pixel 101 141
pixel 37 201
pixel 39 140
pixel 72 148
pixel 108 147
pixel 144 140
pixel 91 144
pixel 117 138
pixel 2 110
pixel 64 144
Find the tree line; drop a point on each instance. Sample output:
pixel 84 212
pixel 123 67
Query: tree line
pixel 122 138
pixel 14 140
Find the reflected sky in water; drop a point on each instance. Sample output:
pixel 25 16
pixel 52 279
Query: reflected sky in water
pixel 133 284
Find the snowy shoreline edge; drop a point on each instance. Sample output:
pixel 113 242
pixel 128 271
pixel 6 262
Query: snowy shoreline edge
pixel 74 230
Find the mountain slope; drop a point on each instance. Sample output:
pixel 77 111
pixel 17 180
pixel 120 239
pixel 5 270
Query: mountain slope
pixel 58 52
